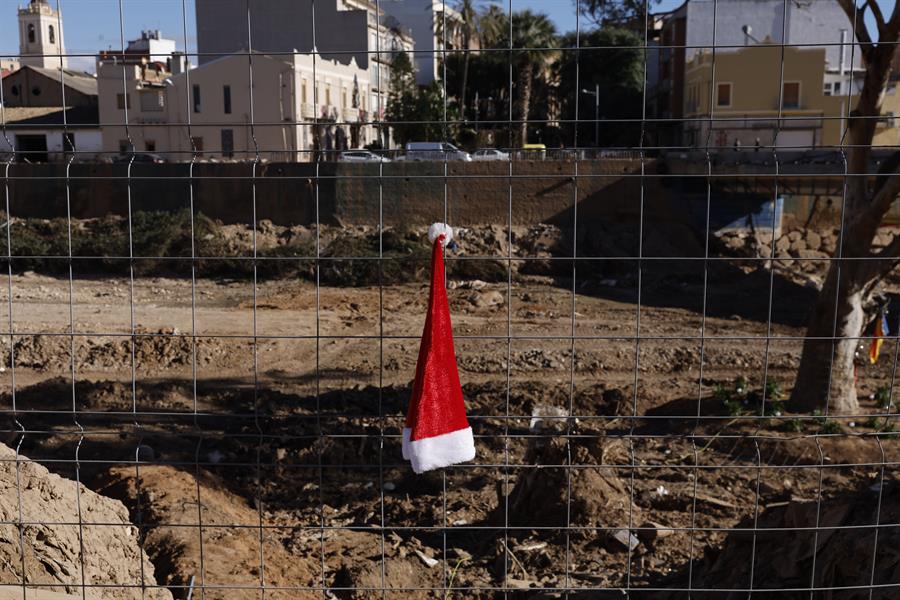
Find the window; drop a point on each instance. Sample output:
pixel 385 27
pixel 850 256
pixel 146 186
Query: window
pixel 152 101
pixel 197 144
pixel 837 88
pixel 150 145
pixel 328 94
pixel 886 119
pixel 827 89
pixel 343 97
pixel 303 91
pixel 723 94
pixel 227 143
pixel 68 141
pixel 14 90
pixel 51 34
pixel 35 91
pixel 31 33
pixel 123 101
pixel 226 98
pixel 124 146
pixel 790 94
pixel 196 94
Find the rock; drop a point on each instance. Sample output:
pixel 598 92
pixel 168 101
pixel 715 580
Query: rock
pixel 488 299
pixel 625 539
pixel 426 560
pixel 798 246
pixel 111 556
pixel 783 244
pixel 813 240
pixel 734 242
pixel 883 238
pixel 795 236
pixel 651 531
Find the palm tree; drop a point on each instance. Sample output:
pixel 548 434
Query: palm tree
pixel 469 30
pixel 493 25
pixel 533 37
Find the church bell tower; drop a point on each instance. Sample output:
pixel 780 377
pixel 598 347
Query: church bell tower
pixel 41 36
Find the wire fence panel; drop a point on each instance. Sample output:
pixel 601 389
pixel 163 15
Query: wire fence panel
pixel 671 282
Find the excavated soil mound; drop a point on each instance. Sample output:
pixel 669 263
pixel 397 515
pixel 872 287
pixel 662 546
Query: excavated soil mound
pixel 584 495
pixel 106 541
pixel 223 555
pixel 839 539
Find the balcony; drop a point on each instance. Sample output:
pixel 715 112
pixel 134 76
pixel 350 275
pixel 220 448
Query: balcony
pixel 308 111
pixel 350 114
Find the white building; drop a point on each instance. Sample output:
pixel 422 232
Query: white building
pixel 338 30
pixel 301 103
pixel 431 23
pixel 50 134
pixel 153 45
pixel 41 36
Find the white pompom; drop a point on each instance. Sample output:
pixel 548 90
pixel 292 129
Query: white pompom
pixel 438 229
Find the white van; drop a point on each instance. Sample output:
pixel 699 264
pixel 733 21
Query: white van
pixel 419 151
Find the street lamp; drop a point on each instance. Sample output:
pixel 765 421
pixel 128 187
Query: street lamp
pixel 596 95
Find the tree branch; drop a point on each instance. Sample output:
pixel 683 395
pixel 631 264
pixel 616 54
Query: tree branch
pixel 885 261
pixel 884 197
pixel 858 19
pixel 876 12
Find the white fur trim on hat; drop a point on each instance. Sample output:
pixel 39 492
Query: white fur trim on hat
pixel 439 451
pixel 438 229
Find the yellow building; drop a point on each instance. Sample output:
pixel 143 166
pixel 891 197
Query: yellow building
pixel 769 95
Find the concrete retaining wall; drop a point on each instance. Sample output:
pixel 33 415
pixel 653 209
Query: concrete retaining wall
pixel 363 194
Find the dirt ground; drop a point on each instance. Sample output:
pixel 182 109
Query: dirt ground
pixel 254 433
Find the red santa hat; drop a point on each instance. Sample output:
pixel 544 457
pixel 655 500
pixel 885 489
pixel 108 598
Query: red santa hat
pixel 437 433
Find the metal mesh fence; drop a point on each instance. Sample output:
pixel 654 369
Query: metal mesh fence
pixel 214 300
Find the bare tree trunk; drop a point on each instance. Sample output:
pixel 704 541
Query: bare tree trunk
pixel 827 376
pixel 524 85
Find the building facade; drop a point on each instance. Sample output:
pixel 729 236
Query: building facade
pixel 698 26
pixel 335 30
pixel 38 86
pixel 8 65
pixel 794 107
pixel 431 23
pixel 303 107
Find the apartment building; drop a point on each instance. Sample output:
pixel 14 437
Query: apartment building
pixel 301 105
pixel 337 30
pixel 698 26
pixel 436 28
pixel 800 106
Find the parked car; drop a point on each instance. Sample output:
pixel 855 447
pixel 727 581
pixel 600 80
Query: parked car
pixel 440 151
pixel 533 151
pixel 486 154
pixel 361 156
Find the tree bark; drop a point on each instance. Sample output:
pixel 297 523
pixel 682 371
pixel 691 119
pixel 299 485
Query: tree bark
pixel 524 84
pixel 827 376
pixel 465 82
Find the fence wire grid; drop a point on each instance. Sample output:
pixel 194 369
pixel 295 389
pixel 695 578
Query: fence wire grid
pixel 210 337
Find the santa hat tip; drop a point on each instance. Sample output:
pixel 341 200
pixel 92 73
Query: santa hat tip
pixel 440 229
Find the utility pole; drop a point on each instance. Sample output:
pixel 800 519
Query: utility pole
pixel 596 95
